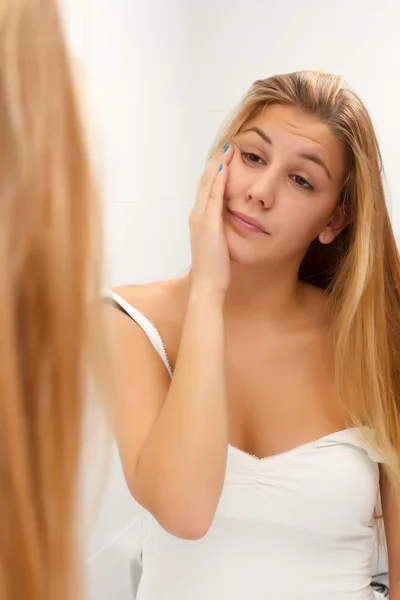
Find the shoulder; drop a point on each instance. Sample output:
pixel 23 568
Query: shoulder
pixel 160 301
pixel 163 303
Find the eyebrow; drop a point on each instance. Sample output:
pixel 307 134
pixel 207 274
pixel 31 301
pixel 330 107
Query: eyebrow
pixel 306 155
pixel 261 133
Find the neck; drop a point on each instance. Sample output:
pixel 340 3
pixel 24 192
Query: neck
pixel 264 292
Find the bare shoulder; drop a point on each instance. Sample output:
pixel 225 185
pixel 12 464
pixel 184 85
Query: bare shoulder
pixel 164 303
pixel 161 301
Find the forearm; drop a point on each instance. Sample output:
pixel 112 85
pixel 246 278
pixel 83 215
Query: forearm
pixel 182 465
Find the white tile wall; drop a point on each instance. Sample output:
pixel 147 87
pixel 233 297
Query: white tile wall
pixel 162 77
pixel 111 484
pixel 147 240
pixel 114 573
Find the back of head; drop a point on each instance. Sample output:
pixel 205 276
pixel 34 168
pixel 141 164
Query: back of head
pixel 48 255
pixel 361 268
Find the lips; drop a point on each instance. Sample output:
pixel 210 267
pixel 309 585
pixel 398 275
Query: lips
pixel 250 221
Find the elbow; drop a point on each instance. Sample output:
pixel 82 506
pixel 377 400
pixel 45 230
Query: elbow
pixel 189 526
pixel 180 518
pixel 185 522
pixel 193 529
pixel 188 523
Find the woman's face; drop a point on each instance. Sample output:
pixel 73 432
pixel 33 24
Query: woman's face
pixel 285 175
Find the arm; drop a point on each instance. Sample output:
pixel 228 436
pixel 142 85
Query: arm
pixel 391 515
pixel 181 468
pixel 173 437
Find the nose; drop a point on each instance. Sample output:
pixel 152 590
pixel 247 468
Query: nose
pixel 262 191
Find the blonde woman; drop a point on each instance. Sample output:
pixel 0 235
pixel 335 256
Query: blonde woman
pixel 258 402
pixel 48 255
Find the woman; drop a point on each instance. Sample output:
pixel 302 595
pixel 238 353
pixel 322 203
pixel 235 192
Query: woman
pixel 49 252
pixel 259 462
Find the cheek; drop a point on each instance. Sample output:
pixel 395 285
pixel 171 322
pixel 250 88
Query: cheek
pixel 238 180
pixel 305 221
pixel 322 212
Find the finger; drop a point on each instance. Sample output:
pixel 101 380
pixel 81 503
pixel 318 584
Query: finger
pixel 209 177
pixel 216 199
pixel 229 153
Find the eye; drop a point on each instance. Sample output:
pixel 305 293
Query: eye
pixel 253 158
pixel 301 182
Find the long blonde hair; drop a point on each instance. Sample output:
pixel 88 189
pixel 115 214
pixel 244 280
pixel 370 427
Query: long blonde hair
pixel 361 269
pixel 49 253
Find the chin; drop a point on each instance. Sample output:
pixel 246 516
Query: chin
pixel 242 259
pixel 241 250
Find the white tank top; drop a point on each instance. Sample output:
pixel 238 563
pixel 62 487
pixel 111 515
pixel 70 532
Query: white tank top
pixel 294 526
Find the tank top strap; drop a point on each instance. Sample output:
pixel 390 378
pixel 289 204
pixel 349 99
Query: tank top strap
pixel 144 323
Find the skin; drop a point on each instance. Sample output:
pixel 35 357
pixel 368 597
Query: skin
pixel 285 169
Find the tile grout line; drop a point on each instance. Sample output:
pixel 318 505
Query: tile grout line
pixel 113 539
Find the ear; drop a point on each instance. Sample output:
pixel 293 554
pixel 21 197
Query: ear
pixel 338 222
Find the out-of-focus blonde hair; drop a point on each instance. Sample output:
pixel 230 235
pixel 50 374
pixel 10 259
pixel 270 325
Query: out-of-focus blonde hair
pixel 49 253
pixel 361 268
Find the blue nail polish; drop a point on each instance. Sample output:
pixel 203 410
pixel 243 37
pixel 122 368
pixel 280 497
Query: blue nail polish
pixel 226 148
pixel 220 166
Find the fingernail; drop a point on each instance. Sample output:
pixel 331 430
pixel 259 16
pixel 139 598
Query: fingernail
pixel 220 166
pixel 226 147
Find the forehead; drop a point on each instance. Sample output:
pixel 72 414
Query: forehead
pixel 299 130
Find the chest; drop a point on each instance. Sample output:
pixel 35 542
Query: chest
pixel 280 391
pixel 280 387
